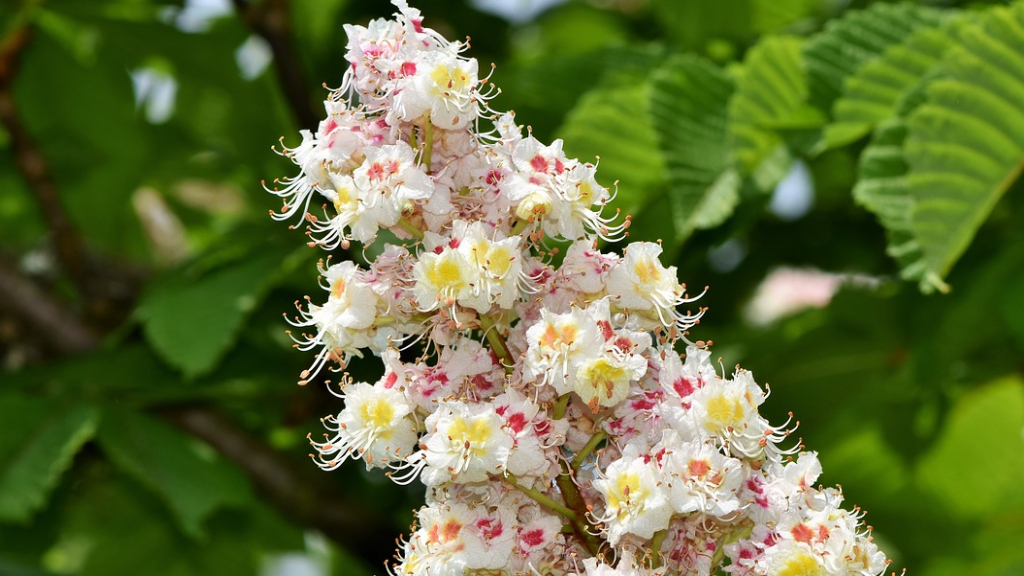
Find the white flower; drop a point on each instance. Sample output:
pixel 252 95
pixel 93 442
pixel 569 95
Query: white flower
pixel 443 279
pixel 389 183
pixel 465 443
pixel 444 86
pixel 498 265
pixel 375 425
pixel 636 501
pixel 641 284
pixel 700 478
pixel 557 344
pixel 345 323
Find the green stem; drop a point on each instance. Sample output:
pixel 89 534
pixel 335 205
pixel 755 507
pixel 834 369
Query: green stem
pixel 384 321
pixel 656 558
pixel 575 502
pixel 408 227
pixel 519 228
pixel 743 532
pixel 543 499
pixel 591 445
pixel 559 411
pixel 428 143
pixel 497 342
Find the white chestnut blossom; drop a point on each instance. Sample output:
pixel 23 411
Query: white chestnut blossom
pixel 540 397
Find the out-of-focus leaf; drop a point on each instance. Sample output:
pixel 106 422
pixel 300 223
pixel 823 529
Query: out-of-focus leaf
pixel 192 317
pixel 188 475
pixel 38 440
pixel 977 466
pixel 611 123
pixel 17 569
pixel 316 21
pixel 1013 308
pixel 771 89
pixel 858 37
pixel 965 145
pixel 689 105
pixel 83 136
pixel 694 24
pixel 874 92
pixel 125 528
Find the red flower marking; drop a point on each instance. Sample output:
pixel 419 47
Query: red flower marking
pixel 539 164
pixel 683 386
pixel 801 533
pixel 389 382
pixel 517 422
pixel 376 171
pixel 490 528
pixel 533 538
pixel 698 468
pixel 493 177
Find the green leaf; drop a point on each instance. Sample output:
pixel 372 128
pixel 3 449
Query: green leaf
pixel 689 99
pixel 770 91
pixel 965 145
pixel 882 188
pixel 193 316
pixel 611 122
pixel 38 440
pixel 875 91
pixel 977 465
pixel 861 35
pixel 190 477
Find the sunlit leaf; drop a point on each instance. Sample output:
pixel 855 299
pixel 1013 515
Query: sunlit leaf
pixel 612 123
pixel 771 90
pixel 689 106
pixel 874 92
pixel 965 145
pixel 858 37
pixel 882 188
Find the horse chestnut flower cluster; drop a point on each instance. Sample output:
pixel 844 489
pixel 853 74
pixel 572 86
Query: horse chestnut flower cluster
pixel 555 424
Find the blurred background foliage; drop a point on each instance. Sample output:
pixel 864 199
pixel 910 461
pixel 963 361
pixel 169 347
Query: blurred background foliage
pixel 843 175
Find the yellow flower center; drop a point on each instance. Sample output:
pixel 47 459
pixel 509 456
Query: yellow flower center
pixel 449 79
pixel 473 435
pixel 378 416
pixel 499 260
pixel 802 564
pixel 445 273
pixel 625 492
pixel 604 376
pixel 725 412
pixel 647 272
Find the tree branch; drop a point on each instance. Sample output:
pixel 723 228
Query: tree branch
pixel 299 497
pixel 33 167
pixel 61 328
pixel 271 20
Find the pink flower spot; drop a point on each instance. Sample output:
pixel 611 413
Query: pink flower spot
pixel 683 387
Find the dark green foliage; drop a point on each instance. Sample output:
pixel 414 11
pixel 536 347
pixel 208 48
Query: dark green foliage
pixel 908 118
